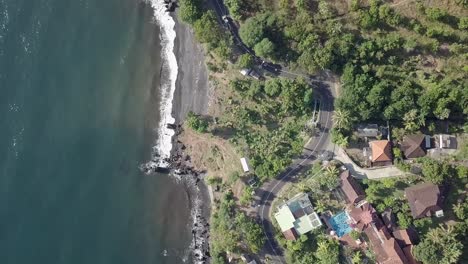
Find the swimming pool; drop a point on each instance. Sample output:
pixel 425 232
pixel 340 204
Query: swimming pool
pixel 339 223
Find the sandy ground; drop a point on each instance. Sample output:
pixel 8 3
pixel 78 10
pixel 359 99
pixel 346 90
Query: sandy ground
pixel 192 91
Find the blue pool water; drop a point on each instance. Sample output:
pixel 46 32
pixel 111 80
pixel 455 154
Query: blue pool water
pixel 340 225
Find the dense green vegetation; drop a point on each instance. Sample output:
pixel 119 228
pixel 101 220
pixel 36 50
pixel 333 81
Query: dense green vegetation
pixel 385 74
pixel 245 61
pixel 206 27
pixel 442 245
pixel 268 120
pixel 232 231
pixel 313 247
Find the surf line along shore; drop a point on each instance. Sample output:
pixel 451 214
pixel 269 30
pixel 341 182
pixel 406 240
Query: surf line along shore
pixel 184 88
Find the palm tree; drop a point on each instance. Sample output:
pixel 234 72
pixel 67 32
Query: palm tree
pixel 452 252
pixel 435 235
pixel 459 211
pixel 332 171
pixel 410 120
pixel 448 231
pixel 342 119
pixel 320 207
pixel 302 187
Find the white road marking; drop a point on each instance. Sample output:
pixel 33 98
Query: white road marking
pixel 280 180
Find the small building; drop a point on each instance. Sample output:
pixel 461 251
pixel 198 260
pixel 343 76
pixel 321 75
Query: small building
pixel 424 200
pixel 381 153
pixel 368 131
pixel 245 166
pixel 297 217
pixel 406 237
pixel 351 189
pixel 444 141
pixel 414 146
pixel 389 220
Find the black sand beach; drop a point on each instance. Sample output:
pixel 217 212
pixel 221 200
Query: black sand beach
pixel 192 94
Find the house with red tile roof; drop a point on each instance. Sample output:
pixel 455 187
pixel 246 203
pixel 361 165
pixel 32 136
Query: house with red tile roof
pixel 381 153
pixel 387 248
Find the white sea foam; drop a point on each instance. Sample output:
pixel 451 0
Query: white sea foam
pixel 163 144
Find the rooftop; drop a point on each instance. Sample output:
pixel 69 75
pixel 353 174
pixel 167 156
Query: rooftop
pixel 414 146
pixel 381 151
pixel 424 199
pixel 296 216
pixel 351 188
pixel 367 130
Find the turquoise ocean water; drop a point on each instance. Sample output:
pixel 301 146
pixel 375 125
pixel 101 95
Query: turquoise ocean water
pixel 78 107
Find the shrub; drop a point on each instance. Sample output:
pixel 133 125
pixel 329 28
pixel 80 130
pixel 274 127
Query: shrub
pixel 264 48
pixel 355 235
pixel 246 197
pixel 196 123
pixel 245 61
pixel 436 13
pixel 190 10
pixel 463 23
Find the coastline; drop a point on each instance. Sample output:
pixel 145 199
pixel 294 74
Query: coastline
pixel 184 87
pixel 192 94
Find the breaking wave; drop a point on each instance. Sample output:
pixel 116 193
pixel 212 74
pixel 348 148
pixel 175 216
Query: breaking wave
pixel 169 69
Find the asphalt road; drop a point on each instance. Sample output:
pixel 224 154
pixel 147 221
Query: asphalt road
pixel 269 190
pixel 325 89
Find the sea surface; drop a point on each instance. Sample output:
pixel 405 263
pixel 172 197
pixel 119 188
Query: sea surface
pixel 80 108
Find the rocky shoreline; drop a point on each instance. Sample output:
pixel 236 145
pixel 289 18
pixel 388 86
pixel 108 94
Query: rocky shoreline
pixel 183 169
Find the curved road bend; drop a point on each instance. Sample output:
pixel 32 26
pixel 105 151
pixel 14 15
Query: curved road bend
pixel 269 191
pixel 326 89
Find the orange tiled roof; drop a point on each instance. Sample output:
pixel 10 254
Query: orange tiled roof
pixel 381 150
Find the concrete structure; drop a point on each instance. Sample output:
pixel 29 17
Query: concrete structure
pixel 424 200
pixel 368 131
pixel 297 217
pixel 444 141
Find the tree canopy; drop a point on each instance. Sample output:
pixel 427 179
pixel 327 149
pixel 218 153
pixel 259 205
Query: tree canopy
pixel 440 245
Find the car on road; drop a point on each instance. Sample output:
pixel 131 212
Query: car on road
pixel 273 68
pixel 325 155
pixel 227 21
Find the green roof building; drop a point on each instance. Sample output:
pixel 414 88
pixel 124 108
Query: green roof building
pixel 297 216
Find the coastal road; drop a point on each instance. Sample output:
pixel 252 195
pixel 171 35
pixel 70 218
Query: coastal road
pixel 269 190
pixel 326 88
